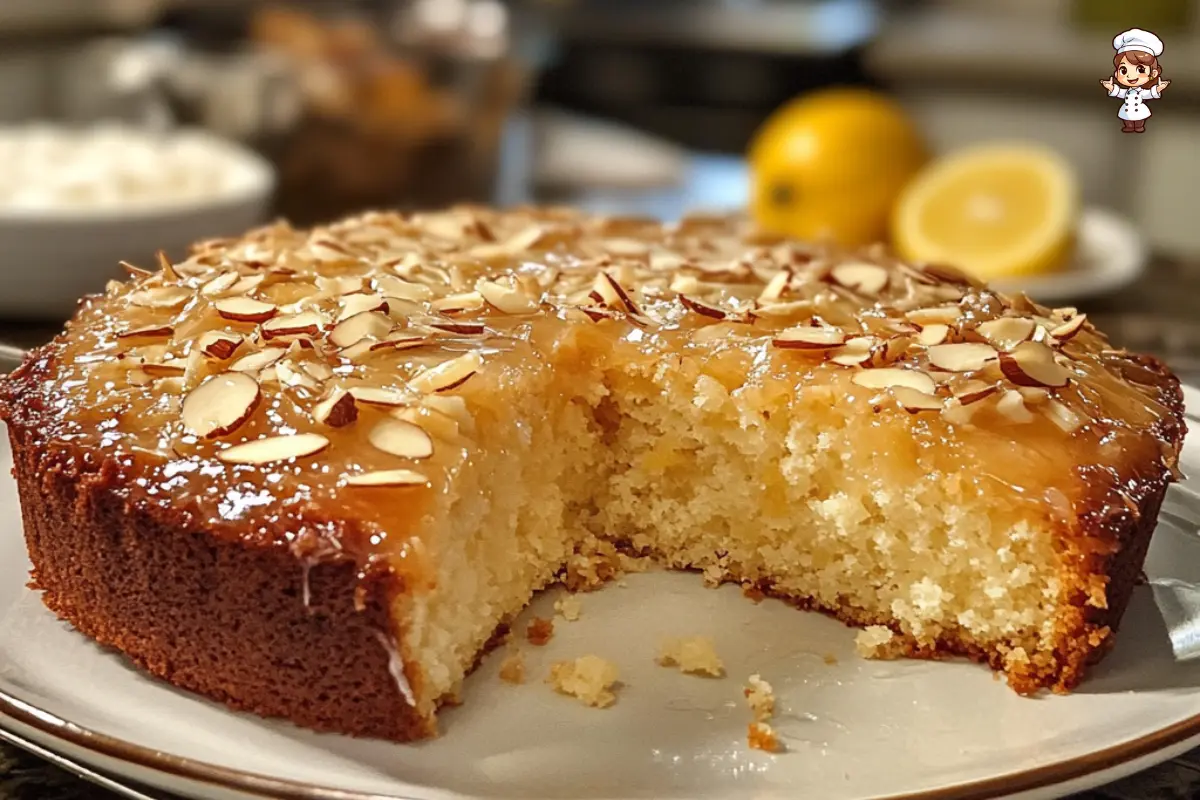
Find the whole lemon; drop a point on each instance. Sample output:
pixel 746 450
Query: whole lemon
pixel 830 165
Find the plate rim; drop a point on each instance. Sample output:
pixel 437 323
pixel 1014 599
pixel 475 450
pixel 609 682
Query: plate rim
pixel 257 785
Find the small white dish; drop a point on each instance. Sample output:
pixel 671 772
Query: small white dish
pixel 1109 255
pixel 50 257
pixel 855 729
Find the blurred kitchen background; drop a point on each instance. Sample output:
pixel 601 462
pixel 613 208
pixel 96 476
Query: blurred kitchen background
pixel 632 106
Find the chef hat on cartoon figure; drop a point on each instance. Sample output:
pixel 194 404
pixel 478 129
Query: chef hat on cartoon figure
pixel 1138 39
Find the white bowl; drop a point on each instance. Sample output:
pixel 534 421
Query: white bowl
pixel 51 258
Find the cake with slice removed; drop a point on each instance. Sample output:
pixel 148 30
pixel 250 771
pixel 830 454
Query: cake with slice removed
pixel 315 474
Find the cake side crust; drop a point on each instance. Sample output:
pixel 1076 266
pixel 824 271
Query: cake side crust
pixel 219 618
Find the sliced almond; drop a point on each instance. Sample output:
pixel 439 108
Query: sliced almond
pixel 164 370
pixel 864 278
pixel 362 325
pixel 783 311
pixel 961 357
pixel 1062 416
pixel 957 413
pixel 406 340
pixel 974 391
pixel 245 309
pixel 168 270
pixel 275 448
pixel 945 315
pixel 1012 406
pixel 161 297
pixel 457 303
pixel 339 285
pixel 804 337
pixel 220 405
pixel 318 370
pixel 135 271
pixel 400 438
pixel 701 308
pixel 933 334
pixel 944 273
pixel 337 410
pixel 891 350
pixel 253 362
pixel 887 377
pixel 1006 333
pixel 380 396
pixel 855 351
pixel 289 375
pixel 388 477
pixel 448 375
pixel 1069 328
pixel 775 287
pixel 915 400
pixel 1033 364
pixel 220 284
pixel 459 327
pixel 359 302
pixel 150 333
pixel 506 299
pixel 246 284
pixel 614 293
pixel 306 323
pixel 685 284
pixel 391 286
pixel 1034 395
pixel 360 349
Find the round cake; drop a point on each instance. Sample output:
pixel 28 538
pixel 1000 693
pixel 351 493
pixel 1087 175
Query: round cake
pixel 315 474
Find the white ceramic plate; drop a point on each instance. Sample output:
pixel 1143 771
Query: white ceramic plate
pixel 854 729
pixel 1109 255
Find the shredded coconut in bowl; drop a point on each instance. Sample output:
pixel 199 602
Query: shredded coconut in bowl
pixel 113 167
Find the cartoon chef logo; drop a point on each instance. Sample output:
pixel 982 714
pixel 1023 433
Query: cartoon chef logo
pixel 1137 77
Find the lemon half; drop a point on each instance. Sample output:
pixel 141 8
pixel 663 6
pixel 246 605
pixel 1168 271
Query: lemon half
pixel 999 210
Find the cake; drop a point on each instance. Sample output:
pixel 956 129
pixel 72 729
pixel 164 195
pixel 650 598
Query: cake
pixel 316 474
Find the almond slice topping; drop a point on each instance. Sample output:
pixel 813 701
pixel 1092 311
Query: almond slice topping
pixel 164 264
pixel 219 345
pixel 391 286
pixel 275 448
pixel 803 337
pixel 946 315
pixel 388 477
pixel 306 323
pixel 289 375
pixel 505 299
pixel 1069 328
pixel 163 370
pixel 380 396
pixel 702 308
pixel 1066 419
pixel 456 303
pixel 150 333
pixel 401 439
pixel 461 328
pixel 245 309
pixel 362 325
pixel 855 351
pixel 135 271
pixel 962 357
pixel 613 293
pixel 220 405
pixel 861 277
pixel 359 302
pixel 253 362
pixel 1012 406
pixel 915 400
pixel 974 391
pixel 448 375
pixel 887 377
pixel 776 286
pixel 218 285
pixel 933 334
pixel 1033 364
pixel 1007 332
pixel 337 410
pixel 161 297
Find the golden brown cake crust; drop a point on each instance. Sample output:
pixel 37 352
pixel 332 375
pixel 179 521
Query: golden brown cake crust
pixel 222 617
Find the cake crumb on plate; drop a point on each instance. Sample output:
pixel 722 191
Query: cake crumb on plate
pixel 512 668
pixel 877 641
pixel 760 696
pixel 589 678
pixel 695 655
pixel 568 607
pixel 540 631
pixel 761 736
